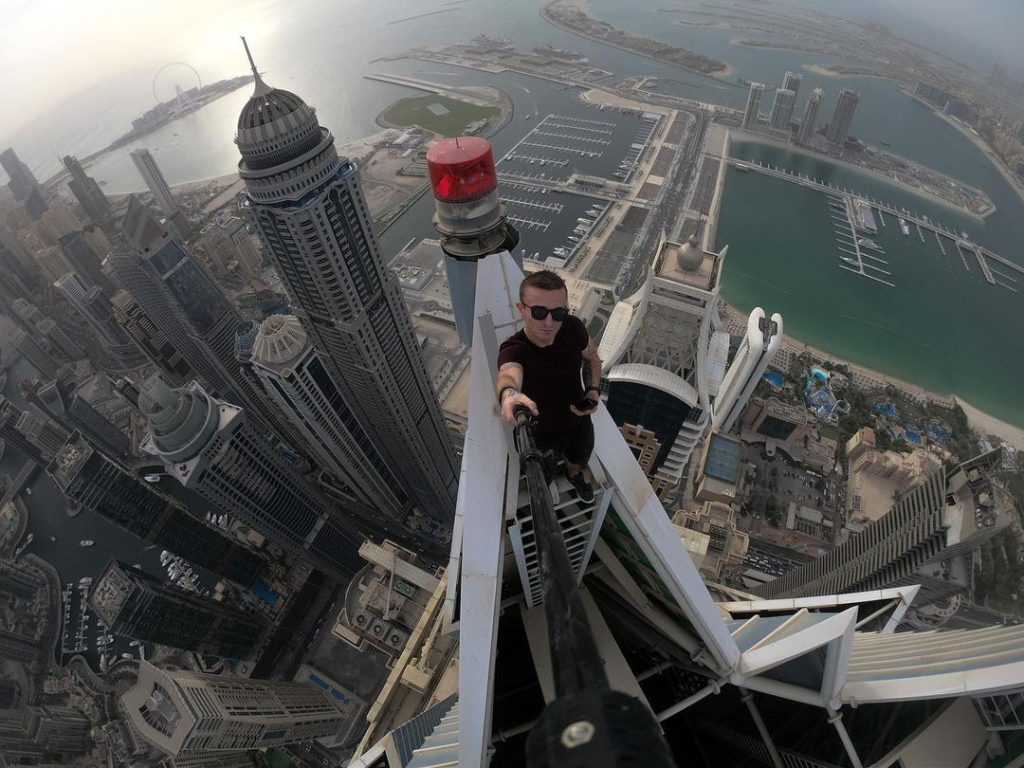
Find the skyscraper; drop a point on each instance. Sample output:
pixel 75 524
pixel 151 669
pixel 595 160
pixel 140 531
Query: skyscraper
pixel 782 109
pixel 293 375
pixel 88 192
pixel 791 82
pixel 664 356
pixel 95 308
pixel 88 477
pixel 23 184
pixel 85 261
pixel 309 208
pixel 30 349
pixel 136 605
pixel 209 446
pixel 63 343
pixel 756 350
pixel 807 127
pixel 752 110
pixel 184 713
pixel 186 306
pixel 158 187
pixel 155 181
pixel 73 412
pixel 40 731
pixel 149 338
pixel 917 542
pixel 842 117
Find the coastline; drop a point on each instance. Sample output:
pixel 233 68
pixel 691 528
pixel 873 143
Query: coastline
pixel 824 71
pixel 978 142
pixel 582 6
pixel 980 421
pixel 760 138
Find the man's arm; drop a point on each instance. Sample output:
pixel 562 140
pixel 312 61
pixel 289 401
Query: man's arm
pixel 510 381
pixel 591 368
pixel 591 378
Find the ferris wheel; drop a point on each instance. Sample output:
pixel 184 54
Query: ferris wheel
pixel 173 80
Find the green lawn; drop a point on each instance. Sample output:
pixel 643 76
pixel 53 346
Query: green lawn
pixel 452 122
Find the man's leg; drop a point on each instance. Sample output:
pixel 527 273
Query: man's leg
pixel 577 453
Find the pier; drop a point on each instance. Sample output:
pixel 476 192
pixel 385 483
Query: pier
pixel 858 258
pixel 939 241
pixel 983 255
pixel 984 266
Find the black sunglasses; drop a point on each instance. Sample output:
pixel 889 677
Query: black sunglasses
pixel 537 312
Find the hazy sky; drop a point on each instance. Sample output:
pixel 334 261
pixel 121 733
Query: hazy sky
pixel 53 51
pixel 57 54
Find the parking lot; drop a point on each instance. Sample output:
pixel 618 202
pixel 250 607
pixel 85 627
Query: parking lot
pixel 552 224
pixel 607 143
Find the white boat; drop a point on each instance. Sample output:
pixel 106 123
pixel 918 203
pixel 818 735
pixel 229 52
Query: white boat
pixel 904 227
pixel 86 543
pixel 28 491
pixel 53 538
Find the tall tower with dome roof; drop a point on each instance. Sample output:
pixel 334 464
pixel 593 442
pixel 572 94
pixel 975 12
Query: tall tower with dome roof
pixel 308 205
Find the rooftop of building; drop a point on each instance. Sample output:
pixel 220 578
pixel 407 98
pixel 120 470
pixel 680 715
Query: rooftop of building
pixel 688 263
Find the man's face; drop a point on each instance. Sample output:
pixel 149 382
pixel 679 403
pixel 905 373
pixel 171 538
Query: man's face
pixel 542 332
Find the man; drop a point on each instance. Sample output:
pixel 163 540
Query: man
pixel 551 366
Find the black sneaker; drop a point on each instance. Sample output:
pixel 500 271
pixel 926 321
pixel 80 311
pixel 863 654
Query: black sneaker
pixel 584 491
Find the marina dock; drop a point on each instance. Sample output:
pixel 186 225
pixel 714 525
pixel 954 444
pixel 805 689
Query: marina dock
pixel 841 199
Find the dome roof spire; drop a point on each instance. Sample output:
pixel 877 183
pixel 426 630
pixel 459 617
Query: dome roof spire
pixel 262 89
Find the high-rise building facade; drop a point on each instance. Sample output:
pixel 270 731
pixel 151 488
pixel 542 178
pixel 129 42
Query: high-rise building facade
pixel 91 479
pixel 59 339
pixel 763 338
pixel 184 713
pixel 159 188
pixel 186 306
pixel 664 355
pixel 41 731
pixel 95 308
pixel 23 184
pixel 782 109
pixel 209 446
pixel 295 378
pixel 309 208
pixel 136 605
pixel 917 542
pixel 31 350
pixel 88 192
pixel 842 117
pixel 151 340
pixel 753 108
pixel 85 261
pixel 155 181
pixel 791 82
pixel 810 121
pixel 73 412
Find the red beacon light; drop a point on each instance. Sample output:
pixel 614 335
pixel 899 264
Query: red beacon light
pixel 462 170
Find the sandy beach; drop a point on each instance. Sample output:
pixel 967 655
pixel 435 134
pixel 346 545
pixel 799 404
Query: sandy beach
pixel 990 425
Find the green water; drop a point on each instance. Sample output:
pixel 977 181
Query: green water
pixel 942 327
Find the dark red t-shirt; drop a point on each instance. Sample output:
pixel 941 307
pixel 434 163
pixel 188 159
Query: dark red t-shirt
pixel 551 375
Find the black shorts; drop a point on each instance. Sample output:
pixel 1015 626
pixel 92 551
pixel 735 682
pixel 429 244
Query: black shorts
pixel 576 445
